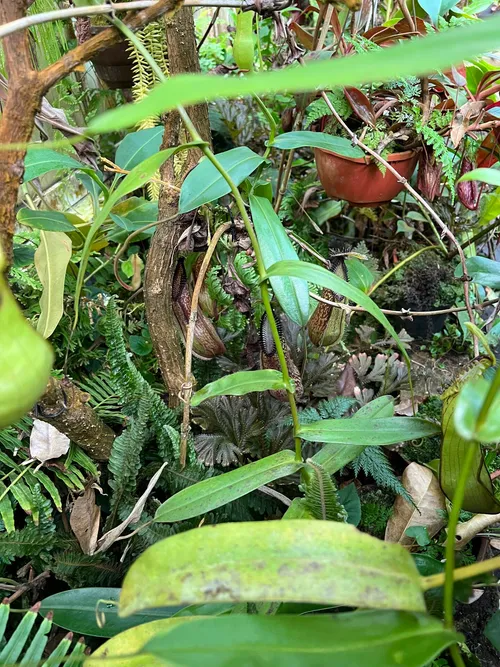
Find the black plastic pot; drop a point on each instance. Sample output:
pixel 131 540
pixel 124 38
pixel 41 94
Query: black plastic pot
pixel 423 328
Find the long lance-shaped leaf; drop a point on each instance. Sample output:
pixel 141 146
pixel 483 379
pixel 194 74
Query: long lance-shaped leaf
pixel 239 384
pixel 415 57
pixel 321 276
pixel 51 261
pixel 368 432
pixel 218 491
pixel 292 293
pixel 293 561
pixel 377 639
pixel 333 456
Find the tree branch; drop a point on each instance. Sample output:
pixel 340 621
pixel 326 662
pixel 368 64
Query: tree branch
pixel 27 88
pixel 84 52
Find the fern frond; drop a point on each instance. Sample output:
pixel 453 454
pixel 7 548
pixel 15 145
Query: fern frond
pixel 79 570
pixel 373 461
pixel 319 108
pixel 335 408
pixel 131 386
pixel 215 288
pixel 125 460
pixel 321 496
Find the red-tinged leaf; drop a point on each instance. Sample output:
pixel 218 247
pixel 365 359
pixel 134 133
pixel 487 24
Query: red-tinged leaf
pixel 360 104
pixel 488 80
pixel 468 191
pixel 382 35
pixel 446 105
pixel 489 151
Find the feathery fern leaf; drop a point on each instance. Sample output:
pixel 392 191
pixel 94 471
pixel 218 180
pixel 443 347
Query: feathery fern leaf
pixel 131 386
pixel 321 496
pixel 125 460
pixel 373 461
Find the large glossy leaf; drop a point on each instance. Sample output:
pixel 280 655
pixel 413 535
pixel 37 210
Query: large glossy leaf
pixel 414 57
pixel 239 384
pixel 292 293
pixel 49 221
pixel 484 271
pixel 121 650
pixel 51 261
pixel 489 176
pixel 205 184
pixel 332 457
pixel 293 561
pixel 374 639
pixel 321 276
pixel 339 145
pixel 479 497
pixel 218 491
pixel 138 146
pixel 368 432
pixel 79 609
pixel 40 162
pixel 25 359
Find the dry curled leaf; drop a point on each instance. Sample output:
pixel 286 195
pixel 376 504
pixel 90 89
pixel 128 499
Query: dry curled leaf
pixel 429 510
pixel 111 536
pixel 46 442
pixel 85 519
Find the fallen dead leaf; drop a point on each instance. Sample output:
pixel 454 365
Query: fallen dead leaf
pixel 111 536
pixel 85 519
pixel 46 442
pixel 430 508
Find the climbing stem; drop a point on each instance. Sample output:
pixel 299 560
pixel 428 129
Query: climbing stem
pixel 458 497
pixel 261 269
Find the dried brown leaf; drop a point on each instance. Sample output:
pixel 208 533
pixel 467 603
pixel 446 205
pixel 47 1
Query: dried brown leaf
pixel 85 519
pixel 429 508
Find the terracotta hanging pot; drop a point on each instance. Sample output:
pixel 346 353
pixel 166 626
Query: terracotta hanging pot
pixel 114 65
pixel 359 180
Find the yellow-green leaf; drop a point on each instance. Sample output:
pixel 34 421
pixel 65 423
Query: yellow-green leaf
pixel 25 359
pixel 51 261
pixel 293 561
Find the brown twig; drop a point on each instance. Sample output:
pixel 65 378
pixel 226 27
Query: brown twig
pixel 207 31
pixel 187 387
pixel 24 588
pixel 406 13
pixel 403 312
